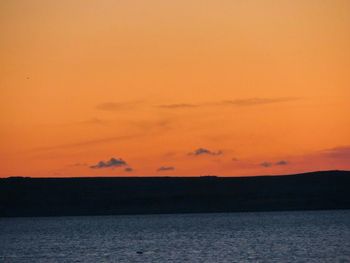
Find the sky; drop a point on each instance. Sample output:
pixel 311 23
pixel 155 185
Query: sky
pixel 175 88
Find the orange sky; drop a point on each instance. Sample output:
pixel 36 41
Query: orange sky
pixel 191 87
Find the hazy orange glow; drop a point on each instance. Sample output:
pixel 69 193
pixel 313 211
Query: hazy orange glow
pixel 264 86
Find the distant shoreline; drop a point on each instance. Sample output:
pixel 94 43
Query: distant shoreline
pixel 175 176
pixel 88 196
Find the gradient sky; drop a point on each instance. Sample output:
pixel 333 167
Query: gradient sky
pixel 242 87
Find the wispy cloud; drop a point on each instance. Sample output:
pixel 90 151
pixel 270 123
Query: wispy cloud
pixel 128 169
pixel 119 106
pixel 236 102
pixel 145 128
pixel 332 158
pixel 165 168
pixel 266 164
pixel 257 101
pixel 338 152
pixel 278 163
pixel 163 124
pixel 113 162
pixel 203 151
pixel 89 142
pixel 178 106
pixel 282 162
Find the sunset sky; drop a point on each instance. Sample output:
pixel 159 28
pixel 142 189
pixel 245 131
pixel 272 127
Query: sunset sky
pixel 133 88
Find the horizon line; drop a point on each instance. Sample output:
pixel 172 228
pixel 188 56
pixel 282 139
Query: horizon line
pixel 174 176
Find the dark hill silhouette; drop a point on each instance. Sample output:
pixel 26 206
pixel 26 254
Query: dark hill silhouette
pixel 144 195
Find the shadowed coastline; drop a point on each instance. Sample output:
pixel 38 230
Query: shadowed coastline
pixel 152 195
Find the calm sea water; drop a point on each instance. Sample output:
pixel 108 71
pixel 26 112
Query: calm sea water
pixel 322 236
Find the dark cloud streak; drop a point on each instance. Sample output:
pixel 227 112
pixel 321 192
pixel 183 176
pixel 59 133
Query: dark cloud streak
pixel 203 151
pixel 165 168
pixel 270 164
pixel 282 162
pixel 266 164
pixel 113 162
pixel 237 102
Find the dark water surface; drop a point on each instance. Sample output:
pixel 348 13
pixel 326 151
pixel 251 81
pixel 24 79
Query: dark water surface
pixel 305 236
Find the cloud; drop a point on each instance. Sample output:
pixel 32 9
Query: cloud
pixel 90 142
pixel 165 168
pixel 325 159
pixel 236 102
pixel 282 162
pixel 266 164
pixel 113 162
pixel 269 164
pixel 154 124
pixel 338 152
pixel 146 128
pixel 257 101
pixel 203 151
pixel 128 169
pixel 178 106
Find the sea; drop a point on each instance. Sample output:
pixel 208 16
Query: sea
pixel 297 236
